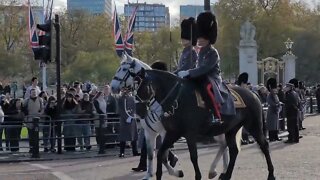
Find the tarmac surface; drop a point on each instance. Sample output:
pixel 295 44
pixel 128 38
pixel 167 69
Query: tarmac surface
pixel 291 161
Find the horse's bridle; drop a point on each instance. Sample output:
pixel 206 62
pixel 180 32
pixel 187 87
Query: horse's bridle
pixel 130 72
pixel 148 100
pixel 136 89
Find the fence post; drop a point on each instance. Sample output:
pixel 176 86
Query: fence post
pixel 35 138
pixel 101 135
pixel 311 105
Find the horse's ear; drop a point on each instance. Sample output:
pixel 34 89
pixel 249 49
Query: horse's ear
pixel 124 57
pixel 142 72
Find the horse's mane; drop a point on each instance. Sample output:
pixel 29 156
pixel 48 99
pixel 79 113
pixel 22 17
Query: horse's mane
pixel 143 64
pixel 165 75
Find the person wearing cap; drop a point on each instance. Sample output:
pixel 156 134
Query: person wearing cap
pixel 243 80
pixel 292 110
pixel 188 57
pixel 273 110
pixel 208 68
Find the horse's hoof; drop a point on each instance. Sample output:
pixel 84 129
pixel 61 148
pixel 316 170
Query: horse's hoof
pixel 180 174
pixel 271 177
pixel 222 176
pixel 212 174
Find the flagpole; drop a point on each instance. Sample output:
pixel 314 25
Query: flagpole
pixel 42 64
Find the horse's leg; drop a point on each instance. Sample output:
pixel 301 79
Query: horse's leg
pixel 192 146
pixel 234 148
pixel 222 151
pixel 162 156
pixel 225 159
pixel 171 155
pixel 264 146
pixel 150 140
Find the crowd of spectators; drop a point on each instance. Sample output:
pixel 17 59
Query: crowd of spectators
pixel 83 106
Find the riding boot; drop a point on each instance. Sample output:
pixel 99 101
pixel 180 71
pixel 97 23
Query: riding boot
pixel 143 159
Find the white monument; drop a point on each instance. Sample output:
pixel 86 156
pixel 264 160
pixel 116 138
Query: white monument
pixel 248 52
pixel 290 66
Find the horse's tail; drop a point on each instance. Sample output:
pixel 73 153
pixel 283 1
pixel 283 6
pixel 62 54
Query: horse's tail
pixel 238 139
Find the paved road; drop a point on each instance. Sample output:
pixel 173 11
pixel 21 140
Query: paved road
pixel 297 161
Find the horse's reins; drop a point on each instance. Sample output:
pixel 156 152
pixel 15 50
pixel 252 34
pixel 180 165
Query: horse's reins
pixel 163 101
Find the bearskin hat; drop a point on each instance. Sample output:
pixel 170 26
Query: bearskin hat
pixel 271 83
pixel 243 78
pixel 188 30
pixel 159 65
pixel 207 26
pixel 295 82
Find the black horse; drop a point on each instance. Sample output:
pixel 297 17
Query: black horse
pixel 185 118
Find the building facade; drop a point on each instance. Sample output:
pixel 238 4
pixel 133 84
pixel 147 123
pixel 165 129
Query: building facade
pixel 94 7
pixel 150 17
pixel 187 11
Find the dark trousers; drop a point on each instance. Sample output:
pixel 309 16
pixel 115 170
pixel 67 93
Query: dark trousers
pixel 13 136
pixel 100 138
pixel 133 145
pixel 293 129
pixel 143 157
pixel 70 144
pixel 273 135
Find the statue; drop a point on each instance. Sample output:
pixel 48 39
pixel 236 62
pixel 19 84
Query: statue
pixel 247 31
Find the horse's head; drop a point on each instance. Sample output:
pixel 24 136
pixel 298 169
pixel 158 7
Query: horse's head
pixel 128 69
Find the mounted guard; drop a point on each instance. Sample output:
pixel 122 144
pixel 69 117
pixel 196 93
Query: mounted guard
pixel 208 67
pixel 188 57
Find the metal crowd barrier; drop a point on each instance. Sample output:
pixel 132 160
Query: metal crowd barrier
pixel 102 123
pixel 311 105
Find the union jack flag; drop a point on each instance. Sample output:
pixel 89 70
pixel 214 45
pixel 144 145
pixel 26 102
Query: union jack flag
pixel 129 33
pixel 117 34
pixel 33 37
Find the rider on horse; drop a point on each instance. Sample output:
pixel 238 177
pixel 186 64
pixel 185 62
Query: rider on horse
pixel 188 57
pixel 208 66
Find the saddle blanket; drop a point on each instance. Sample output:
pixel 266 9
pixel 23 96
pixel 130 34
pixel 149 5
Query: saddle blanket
pixel 238 101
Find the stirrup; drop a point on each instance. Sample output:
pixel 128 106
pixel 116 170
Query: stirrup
pixel 215 120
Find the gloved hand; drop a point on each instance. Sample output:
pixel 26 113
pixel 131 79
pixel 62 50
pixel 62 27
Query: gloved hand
pixel 183 74
pixel 128 120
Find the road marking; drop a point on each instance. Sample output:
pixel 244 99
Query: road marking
pixel 58 174
pixel 61 175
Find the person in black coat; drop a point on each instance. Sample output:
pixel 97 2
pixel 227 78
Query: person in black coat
pixel 15 118
pixel 51 111
pixel 281 96
pixel 292 112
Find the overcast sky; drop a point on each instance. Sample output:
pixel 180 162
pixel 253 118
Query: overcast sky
pixel 174 5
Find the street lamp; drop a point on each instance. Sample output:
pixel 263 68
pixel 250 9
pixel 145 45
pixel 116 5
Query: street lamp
pixel 289 44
